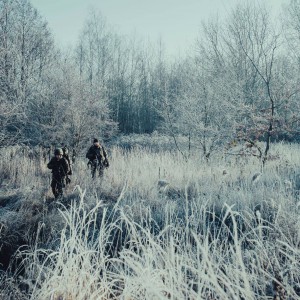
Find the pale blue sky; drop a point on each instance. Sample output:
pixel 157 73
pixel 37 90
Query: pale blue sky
pixel 177 22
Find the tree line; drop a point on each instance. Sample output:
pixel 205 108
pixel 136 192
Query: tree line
pixel 240 83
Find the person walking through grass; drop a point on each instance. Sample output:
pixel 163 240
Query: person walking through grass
pixel 67 157
pixel 97 158
pixel 60 169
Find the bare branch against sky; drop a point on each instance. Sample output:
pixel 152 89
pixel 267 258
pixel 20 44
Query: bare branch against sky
pixel 177 22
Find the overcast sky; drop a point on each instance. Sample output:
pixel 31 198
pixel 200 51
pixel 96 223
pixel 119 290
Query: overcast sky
pixel 177 22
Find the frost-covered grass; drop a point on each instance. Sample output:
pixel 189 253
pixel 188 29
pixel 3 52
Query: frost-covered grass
pixel 156 227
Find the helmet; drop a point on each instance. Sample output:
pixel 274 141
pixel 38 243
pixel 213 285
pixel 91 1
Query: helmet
pixel 58 151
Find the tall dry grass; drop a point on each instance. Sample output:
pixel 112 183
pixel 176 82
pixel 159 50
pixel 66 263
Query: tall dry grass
pixel 206 233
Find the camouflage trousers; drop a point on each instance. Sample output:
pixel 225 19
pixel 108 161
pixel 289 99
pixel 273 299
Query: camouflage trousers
pixel 57 185
pixel 97 166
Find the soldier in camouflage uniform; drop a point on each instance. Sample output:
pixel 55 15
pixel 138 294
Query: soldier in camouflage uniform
pixel 97 158
pixel 60 169
pixel 67 157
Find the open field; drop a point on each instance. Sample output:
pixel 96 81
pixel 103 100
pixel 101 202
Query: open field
pixel 156 227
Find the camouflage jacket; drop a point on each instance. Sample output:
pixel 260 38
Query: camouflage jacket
pixel 60 168
pixel 98 153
